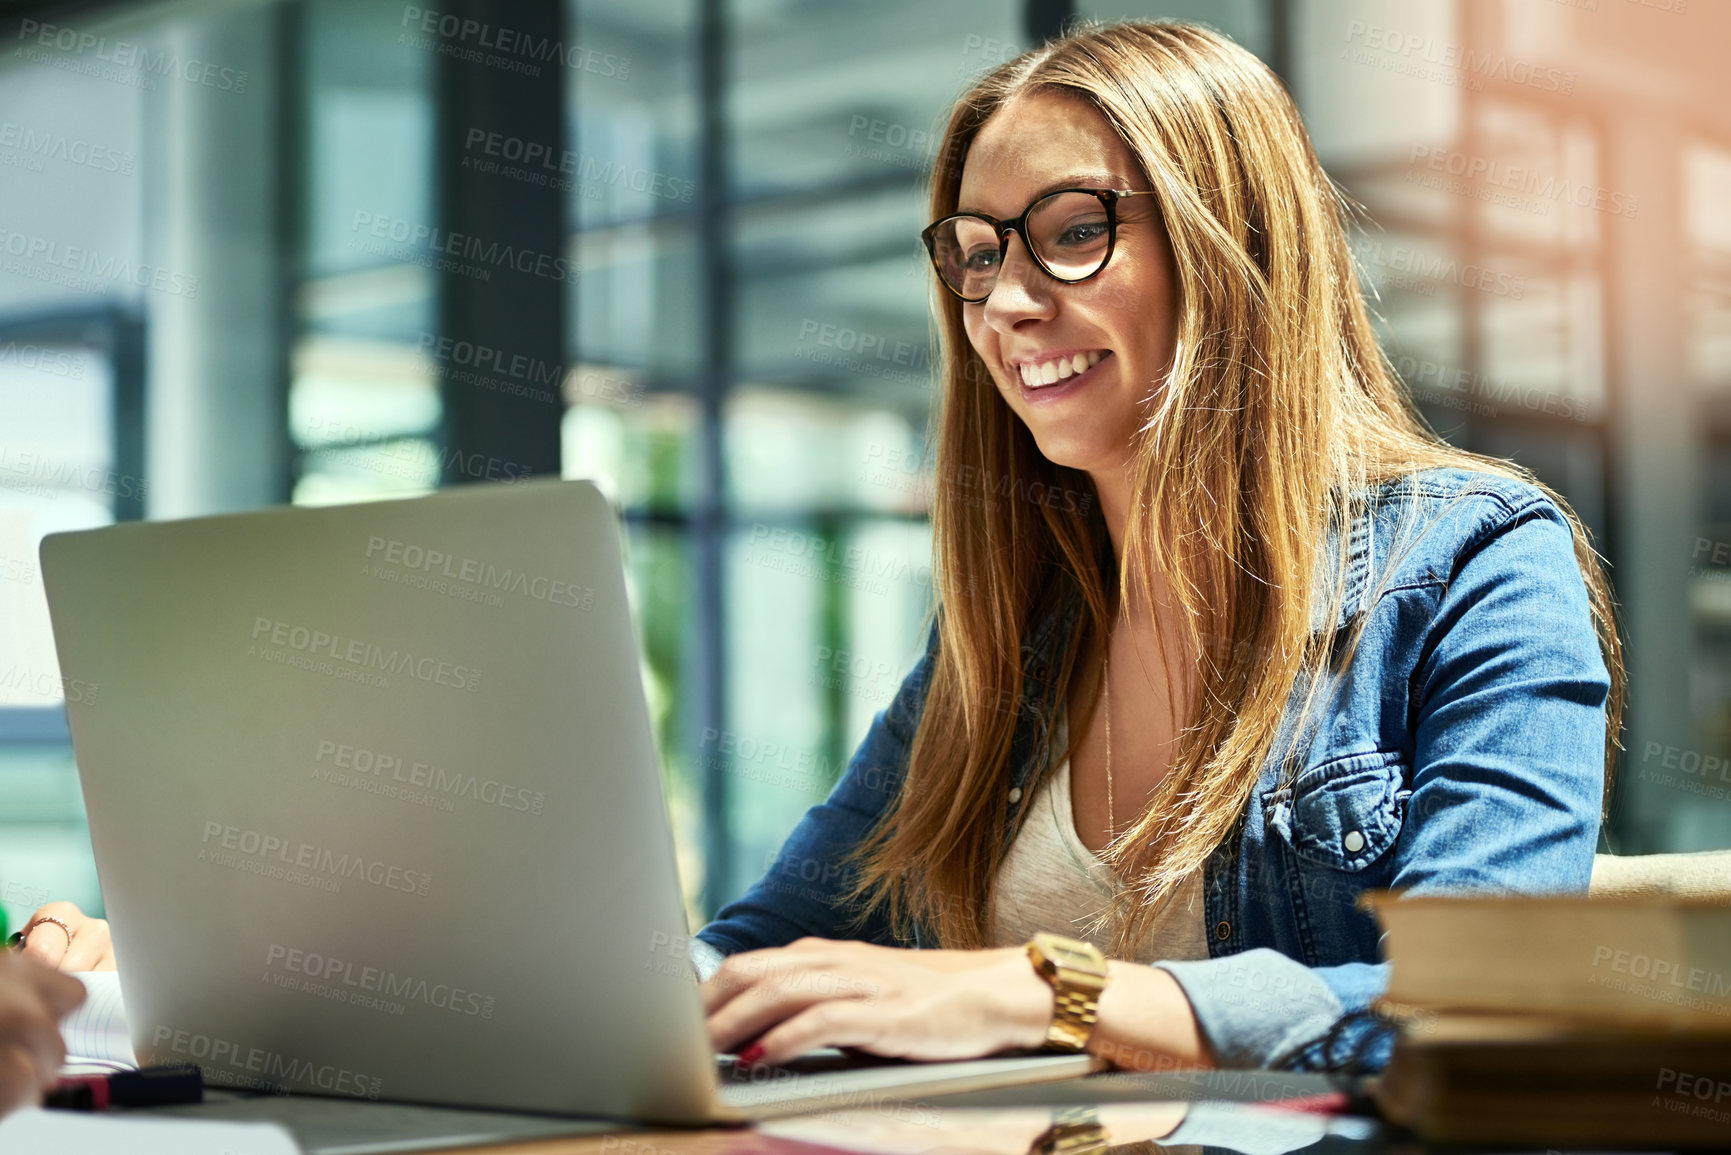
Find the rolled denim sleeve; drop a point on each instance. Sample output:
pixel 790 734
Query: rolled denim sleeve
pixel 1508 727
pixel 804 891
pixel 1257 1005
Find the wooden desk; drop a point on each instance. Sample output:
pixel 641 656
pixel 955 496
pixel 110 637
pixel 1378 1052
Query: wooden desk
pixel 1129 1107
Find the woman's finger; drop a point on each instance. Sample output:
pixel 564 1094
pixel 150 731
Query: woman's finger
pixel 750 1015
pixel 50 935
pixel 47 940
pixel 90 948
pixel 831 1023
pixel 770 999
pixel 730 980
pixel 741 972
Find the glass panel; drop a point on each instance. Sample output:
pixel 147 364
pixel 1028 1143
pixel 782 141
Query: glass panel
pixel 1543 350
pixel 849 94
pixel 1374 115
pixel 661 582
pixel 835 298
pixel 364 401
pixel 1535 179
pixel 644 457
pixel 775 741
pixel 350 390
pixel 1707 214
pixel 788 451
pixel 76 261
pixel 369 123
pixel 637 303
pixel 824 623
pixel 1707 197
pixel 56 474
pixel 630 159
pixel 632 135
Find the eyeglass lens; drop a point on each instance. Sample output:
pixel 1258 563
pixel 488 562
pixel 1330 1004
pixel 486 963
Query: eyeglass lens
pixel 1068 231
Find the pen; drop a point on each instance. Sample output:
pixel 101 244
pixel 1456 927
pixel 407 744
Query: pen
pixel 145 1087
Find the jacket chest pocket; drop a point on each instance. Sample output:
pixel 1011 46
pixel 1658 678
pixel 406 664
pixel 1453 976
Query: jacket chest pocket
pixel 1344 814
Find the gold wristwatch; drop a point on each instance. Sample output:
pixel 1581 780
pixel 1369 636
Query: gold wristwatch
pixel 1077 973
pixel 1074 1131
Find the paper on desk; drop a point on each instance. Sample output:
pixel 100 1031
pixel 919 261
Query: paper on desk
pixel 76 1133
pixel 97 1029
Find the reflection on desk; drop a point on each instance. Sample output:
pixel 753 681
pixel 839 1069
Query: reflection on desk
pixel 1254 1129
pixel 1047 1121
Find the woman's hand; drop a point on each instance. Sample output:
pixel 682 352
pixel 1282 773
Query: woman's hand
pixel 913 1004
pixel 81 944
pixel 32 1000
pixel 934 1004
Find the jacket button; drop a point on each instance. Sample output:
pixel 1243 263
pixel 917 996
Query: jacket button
pixel 1223 930
pixel 1354 842
pixel 1015 795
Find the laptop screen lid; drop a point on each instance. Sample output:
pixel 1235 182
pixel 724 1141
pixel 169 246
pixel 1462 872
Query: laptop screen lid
pixel 375 803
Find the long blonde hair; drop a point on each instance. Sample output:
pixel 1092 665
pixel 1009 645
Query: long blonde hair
pixel 1280 406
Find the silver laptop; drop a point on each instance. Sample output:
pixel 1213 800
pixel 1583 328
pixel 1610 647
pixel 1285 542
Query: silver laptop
pixel 377 813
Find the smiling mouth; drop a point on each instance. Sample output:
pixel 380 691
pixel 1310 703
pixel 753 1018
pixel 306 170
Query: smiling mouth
pixel 1039 374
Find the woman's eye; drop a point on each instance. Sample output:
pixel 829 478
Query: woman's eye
pixel 980 260
pixel 1082 233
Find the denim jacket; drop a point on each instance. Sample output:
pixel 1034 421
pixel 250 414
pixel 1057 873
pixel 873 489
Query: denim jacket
pixel 1461 748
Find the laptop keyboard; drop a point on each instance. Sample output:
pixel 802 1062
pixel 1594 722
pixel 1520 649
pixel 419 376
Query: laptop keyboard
pixel 827 1061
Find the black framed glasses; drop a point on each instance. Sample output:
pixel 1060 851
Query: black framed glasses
pixel 1070 234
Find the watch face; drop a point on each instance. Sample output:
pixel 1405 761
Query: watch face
pixel 1068 954
pixel 1069 957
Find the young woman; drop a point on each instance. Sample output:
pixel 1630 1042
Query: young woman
pixel 1285 648
pixel 1224 636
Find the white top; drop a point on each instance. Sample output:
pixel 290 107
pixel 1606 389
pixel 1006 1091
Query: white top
pixel 1050 881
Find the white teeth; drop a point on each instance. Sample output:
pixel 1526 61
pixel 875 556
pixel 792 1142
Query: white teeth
pixel 1057 369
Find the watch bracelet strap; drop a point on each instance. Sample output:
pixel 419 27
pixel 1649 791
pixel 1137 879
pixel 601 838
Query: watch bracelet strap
pixel 1073 1130
pixel 1072 1026
pixel 1075 1006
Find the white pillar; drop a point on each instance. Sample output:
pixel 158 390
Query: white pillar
pixel 215 407
pixel 1655 439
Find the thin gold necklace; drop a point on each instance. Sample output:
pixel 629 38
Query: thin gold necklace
pixel 1106 693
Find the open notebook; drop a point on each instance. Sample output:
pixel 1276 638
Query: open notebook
pixel 95 1034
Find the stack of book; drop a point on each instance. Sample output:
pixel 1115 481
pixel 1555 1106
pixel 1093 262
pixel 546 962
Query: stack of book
pixel 1558 1020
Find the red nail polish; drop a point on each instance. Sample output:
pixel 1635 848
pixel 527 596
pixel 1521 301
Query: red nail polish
pixel 751 1054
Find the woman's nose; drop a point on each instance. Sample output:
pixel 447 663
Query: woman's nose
pixel 1021 291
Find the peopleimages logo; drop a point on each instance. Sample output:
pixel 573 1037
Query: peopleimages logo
pixel 505 43
pixel 98 267
pixel 462 245
pixel 273 848
pixel 375 980
pixel 358 764
pixel 360 655
pixel 70 150
pixel 269 1064
pixel 126 54
pixel 42 358
pixel 475 572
